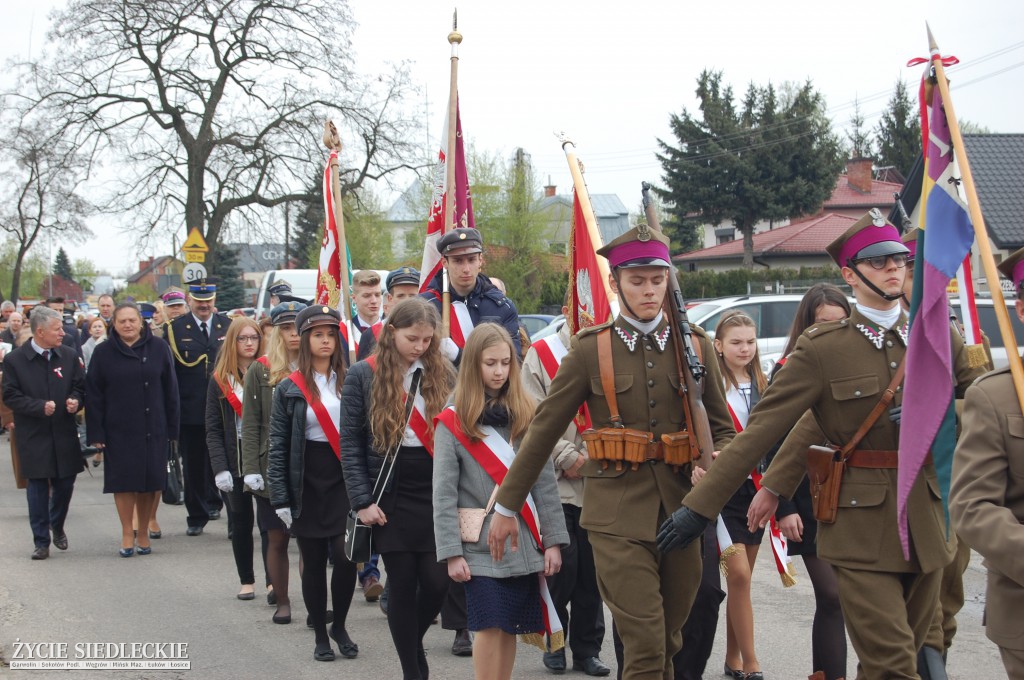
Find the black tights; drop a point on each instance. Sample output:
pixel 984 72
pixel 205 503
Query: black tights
pixel 418 585
pixel 314 582
pixel 828 632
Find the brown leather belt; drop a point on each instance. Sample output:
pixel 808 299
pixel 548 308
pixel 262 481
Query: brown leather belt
pixel 884 460
pixel 655 451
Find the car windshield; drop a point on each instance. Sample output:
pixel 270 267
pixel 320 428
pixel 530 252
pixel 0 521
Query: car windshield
pixel 702 310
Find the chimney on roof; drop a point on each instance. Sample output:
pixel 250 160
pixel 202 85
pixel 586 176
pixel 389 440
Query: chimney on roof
pixel 858 174
pixel 549 189
pixel 143 264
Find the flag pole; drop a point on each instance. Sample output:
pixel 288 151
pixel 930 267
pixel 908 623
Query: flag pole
pixel 980 231
pixel 333 142
pixel 455 38
pixel 576 170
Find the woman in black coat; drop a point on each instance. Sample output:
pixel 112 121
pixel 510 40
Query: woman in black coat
pixel 132 413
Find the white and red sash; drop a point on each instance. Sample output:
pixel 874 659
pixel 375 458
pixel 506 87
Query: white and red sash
pixel 322 417
pixel 551 351
pixel 350 337
pixel 231 397
pixel 418 418
pixel 780 547
pixel 495 455
pixel 265 360
pixel 376 329
pixel 460 324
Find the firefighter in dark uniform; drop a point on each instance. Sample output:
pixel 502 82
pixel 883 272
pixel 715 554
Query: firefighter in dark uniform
pixel 839 370
pixel 195 338
pixel 626 373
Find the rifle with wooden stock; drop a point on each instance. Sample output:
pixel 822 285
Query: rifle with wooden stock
pixel 691 372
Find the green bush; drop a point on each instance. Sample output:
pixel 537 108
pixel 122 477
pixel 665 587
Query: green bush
pixel 707 284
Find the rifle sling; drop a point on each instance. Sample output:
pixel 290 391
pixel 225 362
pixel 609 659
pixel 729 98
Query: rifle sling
pixel 604 362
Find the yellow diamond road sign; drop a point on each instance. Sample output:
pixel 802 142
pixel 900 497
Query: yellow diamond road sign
pixel 195 244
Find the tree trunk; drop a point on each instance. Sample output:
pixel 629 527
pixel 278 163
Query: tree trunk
pixel 748 245
pixel 19 262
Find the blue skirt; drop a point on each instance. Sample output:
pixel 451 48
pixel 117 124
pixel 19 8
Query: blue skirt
pixel 511 604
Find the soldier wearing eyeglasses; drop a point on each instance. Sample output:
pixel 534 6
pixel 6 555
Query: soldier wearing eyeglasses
pixel 839 371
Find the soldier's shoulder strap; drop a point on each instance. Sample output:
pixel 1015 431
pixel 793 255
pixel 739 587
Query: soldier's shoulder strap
pixel 824 328
pixel 591 330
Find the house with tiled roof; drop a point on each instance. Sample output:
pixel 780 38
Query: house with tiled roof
pixel 800 244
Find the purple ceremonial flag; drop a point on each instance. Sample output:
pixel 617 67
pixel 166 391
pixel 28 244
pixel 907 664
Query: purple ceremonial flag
pixel 929 385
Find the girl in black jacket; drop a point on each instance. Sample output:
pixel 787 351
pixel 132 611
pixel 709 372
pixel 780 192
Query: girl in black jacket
pixel 223 438
pixel 307 487
pixel 373 427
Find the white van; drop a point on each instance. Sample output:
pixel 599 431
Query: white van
pixel 303 286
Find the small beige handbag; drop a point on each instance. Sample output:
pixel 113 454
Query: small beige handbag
pixel 471 520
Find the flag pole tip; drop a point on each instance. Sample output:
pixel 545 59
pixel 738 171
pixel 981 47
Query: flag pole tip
pixel 331 139
pixel 932 45
pixel 455 37
pixel 563 137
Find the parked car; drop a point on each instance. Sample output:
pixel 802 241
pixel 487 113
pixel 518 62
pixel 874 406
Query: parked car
pixel 773 315
pixel 535 322
pixel 990 327
pixel 553 327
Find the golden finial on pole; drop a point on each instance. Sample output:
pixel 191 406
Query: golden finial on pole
pixel 455 37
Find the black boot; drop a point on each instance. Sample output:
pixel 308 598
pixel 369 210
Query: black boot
pixel 930 664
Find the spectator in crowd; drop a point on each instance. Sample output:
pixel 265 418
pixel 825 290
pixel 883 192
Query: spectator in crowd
pixel 474 443
pixel 97 332
pixel 70 337
pixel 6 309
pixel 263 376
pixel 158 315
pixel 105 304
pixel 14 325
pixel 224 400
pixel 377 430
pixel 44 385
pixel 307 485
pixel 132 415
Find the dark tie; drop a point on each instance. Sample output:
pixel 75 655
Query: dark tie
pixel 205 330
pixel 46 355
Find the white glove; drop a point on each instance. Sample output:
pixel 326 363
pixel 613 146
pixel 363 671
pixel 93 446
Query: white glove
pixel 254 482
pixel 449 349
pixel 224 481
pixel 286 516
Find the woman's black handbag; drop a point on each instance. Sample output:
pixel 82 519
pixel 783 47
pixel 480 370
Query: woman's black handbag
pixel 359 536
pixel 174 491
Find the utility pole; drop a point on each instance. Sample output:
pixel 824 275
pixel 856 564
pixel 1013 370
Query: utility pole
pixel 287 226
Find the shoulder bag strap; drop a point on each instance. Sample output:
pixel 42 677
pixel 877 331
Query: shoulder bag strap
pixel 607 368
pixel 881 406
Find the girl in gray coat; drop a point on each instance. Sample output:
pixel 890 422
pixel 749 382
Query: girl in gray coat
pixel 474 442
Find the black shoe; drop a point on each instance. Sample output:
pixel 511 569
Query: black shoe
pixel 155 534
pixel 555 661
pixel 126 552
pixel 323 652
pixel 246 596
pixel 591 666
pixel 193 531
pixel 144 551
pixel 328 620
pixel 421 662
pixel 60 540
pixel 383 601
pixel 754 675
pixel 271 597
pixel 732 673
pixel 348 649
pixel 214 514
pixel 282 618
pixel 463 645
pixel 40 553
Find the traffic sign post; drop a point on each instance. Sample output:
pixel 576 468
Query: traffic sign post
pixel 195 249
pixel 193 272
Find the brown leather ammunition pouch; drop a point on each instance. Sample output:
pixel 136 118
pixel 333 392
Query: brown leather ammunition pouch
pixel 677 449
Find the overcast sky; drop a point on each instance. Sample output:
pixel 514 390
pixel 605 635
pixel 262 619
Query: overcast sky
pixel 611 73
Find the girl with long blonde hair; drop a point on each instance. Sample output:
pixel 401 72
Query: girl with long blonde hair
pixel 474 443
pixel 376 431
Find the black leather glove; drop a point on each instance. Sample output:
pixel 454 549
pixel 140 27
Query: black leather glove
pixel 896 414
pixel 681 529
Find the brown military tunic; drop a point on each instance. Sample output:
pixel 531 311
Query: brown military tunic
pixel 987 505
pixel 648 593
pixel 839 371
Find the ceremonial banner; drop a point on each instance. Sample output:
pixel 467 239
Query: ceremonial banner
pixel 945 238
pixel 588 297
pixel 328 280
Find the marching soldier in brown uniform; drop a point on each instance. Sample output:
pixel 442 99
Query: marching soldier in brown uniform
pixel 987 496
pixel 840 371
pixel 626 373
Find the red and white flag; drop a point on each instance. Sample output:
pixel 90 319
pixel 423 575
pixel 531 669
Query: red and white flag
pixel 588 294
pixel 463 216
pixel 328 280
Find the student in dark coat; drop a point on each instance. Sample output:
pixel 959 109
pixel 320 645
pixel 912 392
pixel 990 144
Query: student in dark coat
pixel 44 386
pixel 132 414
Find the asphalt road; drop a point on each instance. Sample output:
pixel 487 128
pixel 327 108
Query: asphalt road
pixel 185 593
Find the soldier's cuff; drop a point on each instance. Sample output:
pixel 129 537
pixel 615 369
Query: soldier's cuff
pixel 502 510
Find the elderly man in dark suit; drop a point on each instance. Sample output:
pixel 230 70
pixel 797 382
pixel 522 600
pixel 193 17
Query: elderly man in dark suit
pixel 44 384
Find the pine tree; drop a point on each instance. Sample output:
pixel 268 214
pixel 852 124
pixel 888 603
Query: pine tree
pixel 861 144
pixel 309 226
pixel 899 132
pixel 230 287
pixel 62 265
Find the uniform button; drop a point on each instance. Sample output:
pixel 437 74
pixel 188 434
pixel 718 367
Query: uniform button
pixel 147 410
pixel 843 322
pixel 145 384
pixel 892 364
pixel 853 501
pixel 652 403
pixel 650 383
pixel 899 388
pixel 648 348
pixel 650 364
pixel 654 422
pixel 857 393
pixel 600 472
pixel 888 343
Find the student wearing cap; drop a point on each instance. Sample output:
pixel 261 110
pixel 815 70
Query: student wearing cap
pixel 986 501
pixel 401 283
pixel 631 358
pixel 194 339
pixel 474 298
pixel 281 291
pixel 306 481
pixel 887 601
pixel 264 374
